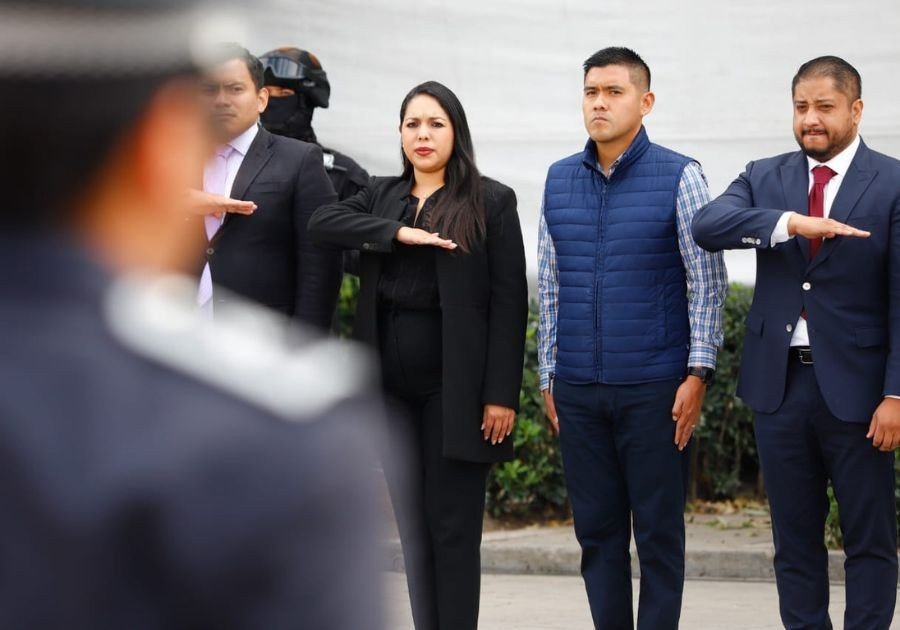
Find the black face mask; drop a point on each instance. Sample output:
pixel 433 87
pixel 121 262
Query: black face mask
pixel 289 116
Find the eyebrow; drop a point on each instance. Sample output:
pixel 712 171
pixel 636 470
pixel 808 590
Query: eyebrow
pixel 217 84
pixel 826 100
pixel 426 117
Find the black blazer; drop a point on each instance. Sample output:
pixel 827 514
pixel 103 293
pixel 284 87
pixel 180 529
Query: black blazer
pixel 268 256
pixel 484 303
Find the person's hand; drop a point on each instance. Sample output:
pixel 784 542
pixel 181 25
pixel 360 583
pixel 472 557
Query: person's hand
pixel 550 411
pixel 686 410
pixel 415 236
pixel 884 430
pixel 497 422
pixel 204 203
pixel 819 227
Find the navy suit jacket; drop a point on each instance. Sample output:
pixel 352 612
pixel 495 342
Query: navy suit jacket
pixel 851 290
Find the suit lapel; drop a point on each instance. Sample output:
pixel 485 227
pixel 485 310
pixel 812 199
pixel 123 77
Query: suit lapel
pixel 856 181
pixel 258 155
pixel 795 184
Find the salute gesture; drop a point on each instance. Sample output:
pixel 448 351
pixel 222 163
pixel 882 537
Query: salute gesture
pixel 416 236
pixel 820 227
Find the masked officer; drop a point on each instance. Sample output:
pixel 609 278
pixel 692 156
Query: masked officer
pixel 158 470
pixel 297 84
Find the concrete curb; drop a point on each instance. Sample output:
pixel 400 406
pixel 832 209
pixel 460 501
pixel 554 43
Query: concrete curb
pixel 537 552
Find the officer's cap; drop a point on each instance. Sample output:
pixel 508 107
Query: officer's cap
pixel 98 39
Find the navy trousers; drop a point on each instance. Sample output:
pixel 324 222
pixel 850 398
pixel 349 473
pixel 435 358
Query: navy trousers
pixel 801 446
pixel 623 469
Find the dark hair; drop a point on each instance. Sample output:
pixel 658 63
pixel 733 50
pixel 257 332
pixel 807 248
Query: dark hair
pixel 459 213
pixel 229 51
pixel 845 77
pixel 55 133
pixel 621 56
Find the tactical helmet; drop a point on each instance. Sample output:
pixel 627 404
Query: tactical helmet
pixel 299 70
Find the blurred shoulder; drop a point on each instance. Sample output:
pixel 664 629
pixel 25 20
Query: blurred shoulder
pixel 246 352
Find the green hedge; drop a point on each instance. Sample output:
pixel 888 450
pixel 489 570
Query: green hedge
pixel 723 456
pixel 723 452
pixel 532 485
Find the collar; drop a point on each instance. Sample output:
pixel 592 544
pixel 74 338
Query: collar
pixel 242 143
pixel 840 162
pixel 636 149
pixel 435 195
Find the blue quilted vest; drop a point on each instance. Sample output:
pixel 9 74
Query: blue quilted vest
pixel 623 314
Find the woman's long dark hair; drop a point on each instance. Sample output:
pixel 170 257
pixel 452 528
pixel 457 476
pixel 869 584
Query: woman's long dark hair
pixel 458 213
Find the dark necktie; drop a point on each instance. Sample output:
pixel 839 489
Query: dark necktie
pixel 821 176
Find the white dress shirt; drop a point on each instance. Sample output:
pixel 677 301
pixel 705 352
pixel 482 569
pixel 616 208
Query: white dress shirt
pixel 839 164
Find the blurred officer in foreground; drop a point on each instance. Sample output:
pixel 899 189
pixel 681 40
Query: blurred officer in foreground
pixel 297 84
pixel 158 471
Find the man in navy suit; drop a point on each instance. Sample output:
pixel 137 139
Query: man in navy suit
pixel 821 364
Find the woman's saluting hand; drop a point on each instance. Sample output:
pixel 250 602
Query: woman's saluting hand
pixel 415 236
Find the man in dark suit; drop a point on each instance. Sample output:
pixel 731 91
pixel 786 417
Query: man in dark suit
pixel 267 256
pixel 821 364
pixel 154 475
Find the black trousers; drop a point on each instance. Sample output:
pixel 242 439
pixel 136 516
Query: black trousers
pixel 438 502
pixel 801 447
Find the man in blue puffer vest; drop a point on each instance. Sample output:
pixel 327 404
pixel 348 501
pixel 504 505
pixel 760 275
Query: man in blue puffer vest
pixel 630 324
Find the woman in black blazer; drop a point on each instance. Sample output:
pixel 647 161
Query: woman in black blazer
pixel 443 298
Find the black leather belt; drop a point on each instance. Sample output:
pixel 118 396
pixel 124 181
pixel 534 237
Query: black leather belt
pixel 801 354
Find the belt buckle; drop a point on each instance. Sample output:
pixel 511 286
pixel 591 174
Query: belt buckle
pixel 805 356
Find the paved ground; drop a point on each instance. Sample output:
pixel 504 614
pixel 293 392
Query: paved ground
pixel 522 602
pixel 531 577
